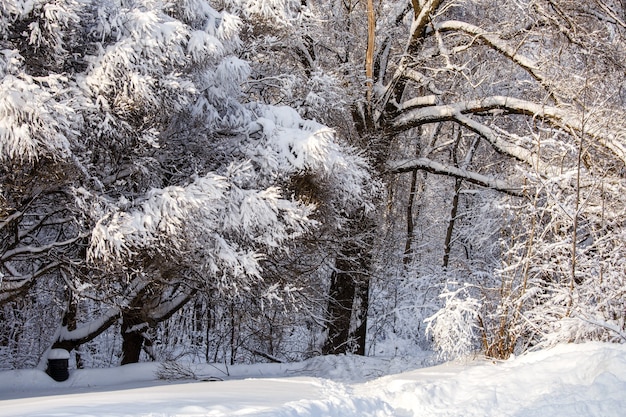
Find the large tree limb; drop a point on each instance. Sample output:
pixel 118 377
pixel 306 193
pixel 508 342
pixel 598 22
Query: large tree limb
pixel 435 167
pixel 444 112
pixel 69 339
pixel 609 134
pixel 422 14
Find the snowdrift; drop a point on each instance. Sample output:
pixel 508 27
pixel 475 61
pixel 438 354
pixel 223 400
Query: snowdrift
pixel 569 380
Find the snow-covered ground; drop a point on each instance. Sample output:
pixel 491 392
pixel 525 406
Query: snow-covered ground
pixel 569 380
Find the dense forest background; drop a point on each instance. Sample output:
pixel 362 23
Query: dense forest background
pixel 246 180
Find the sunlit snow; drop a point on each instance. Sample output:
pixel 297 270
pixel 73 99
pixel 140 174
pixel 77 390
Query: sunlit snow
pixel 569 380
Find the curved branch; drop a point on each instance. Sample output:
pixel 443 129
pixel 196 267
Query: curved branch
pixel 444 112
pixel 611 135
pixel 70 339
pixel 12 286
pixel 38 249
pixel 500 45
pixel 166 309
pixel 434 167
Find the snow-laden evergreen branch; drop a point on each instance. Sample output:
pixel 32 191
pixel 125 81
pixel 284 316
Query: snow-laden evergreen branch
pixel 34 121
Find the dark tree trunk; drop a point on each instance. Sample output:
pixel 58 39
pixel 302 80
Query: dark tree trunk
pixel 349 294
pixel 447 246
pixel 132 340
pixel 339 314
pixel 362 307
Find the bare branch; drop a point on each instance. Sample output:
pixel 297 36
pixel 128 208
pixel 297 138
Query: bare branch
pixel 13 216
pixel 38 249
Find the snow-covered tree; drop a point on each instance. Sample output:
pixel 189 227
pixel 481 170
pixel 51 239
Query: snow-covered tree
pixel 136 174
pixel 495 96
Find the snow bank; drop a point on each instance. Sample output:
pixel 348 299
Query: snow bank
pixel 569 380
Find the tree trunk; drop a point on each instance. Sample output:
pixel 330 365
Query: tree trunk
pixel 362 307
pixel 447 246
pixel 349 293
pixel 132 339
pixel 339 314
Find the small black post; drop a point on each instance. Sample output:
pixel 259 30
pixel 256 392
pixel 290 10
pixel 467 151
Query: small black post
pixel 58 364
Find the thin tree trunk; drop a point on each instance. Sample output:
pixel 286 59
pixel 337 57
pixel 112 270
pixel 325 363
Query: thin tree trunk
pixel 455 199
pixel 449 231
pixel 408 245
pixel 360 334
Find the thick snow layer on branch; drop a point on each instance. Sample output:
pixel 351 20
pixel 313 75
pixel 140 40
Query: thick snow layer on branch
pixel 439 168
pixel 610 134
pixel 33 121
pixel 291 144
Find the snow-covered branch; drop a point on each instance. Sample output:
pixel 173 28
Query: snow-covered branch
pixel 37 249
pixel 435 167
pixel 500 45
pixel 422 16
pixel 433 114
pixel 93 328
pixel 611 135
pixel 518 152
pixel 11 285
pixel 90 330
pixel 166 309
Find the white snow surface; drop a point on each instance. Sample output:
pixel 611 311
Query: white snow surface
pixel 568 380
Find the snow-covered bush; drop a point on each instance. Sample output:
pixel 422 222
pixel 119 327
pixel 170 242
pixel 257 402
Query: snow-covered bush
pixel 455 328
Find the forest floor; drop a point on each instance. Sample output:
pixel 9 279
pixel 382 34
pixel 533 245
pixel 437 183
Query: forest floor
pixel 569 380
